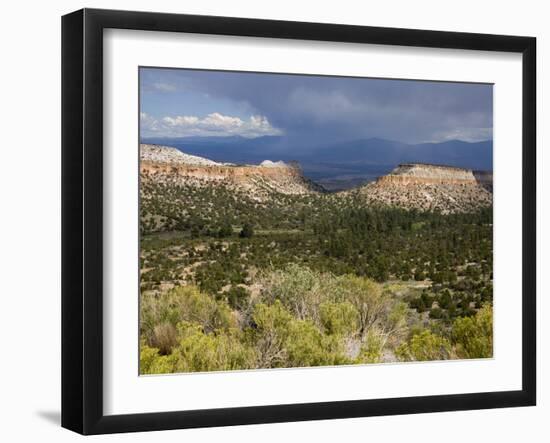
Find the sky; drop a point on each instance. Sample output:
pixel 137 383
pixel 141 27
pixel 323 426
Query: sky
pixel 315 109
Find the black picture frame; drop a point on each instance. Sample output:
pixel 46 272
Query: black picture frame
pixel 82 218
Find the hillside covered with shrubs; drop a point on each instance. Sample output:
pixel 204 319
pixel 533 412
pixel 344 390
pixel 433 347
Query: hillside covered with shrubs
pixel 233 280
pixel 300 318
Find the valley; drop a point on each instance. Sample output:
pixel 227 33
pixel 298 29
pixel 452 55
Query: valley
pixel 258 266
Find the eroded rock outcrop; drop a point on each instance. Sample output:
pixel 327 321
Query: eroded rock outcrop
pixel 163 163
pixel 431 187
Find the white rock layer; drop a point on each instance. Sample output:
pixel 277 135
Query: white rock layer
pixel 167 154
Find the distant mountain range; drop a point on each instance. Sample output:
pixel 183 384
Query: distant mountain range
pixel 336 165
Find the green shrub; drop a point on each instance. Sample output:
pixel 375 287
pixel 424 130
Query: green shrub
pixel 372 305
pixel 247 231
pixel 306 345
pixel 372 348
pixel 270 334
pixel 473 336
pixel 238 297
pixel 160 314
pixel 299 289
pixel 283 341
pixel 425 346
pixel 339 318
pixel 151 362
pixel 198 352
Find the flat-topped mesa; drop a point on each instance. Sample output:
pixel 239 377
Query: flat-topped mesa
pixel 428 187
pixel 423 173
pixel 286 178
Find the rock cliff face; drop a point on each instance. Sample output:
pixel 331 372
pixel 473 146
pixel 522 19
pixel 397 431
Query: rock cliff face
pixel 431 187
pixel 164 164
pixel 425 174
pixel 168 174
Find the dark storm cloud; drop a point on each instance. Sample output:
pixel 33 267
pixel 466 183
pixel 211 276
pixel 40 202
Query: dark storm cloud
pixel 340 108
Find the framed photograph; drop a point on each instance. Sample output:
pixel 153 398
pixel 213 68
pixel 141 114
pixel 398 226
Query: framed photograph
pixel 268 221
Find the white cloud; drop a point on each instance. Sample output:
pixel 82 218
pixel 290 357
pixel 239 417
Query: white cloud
pixel 217 121
pixel 214 124
pixel 180 120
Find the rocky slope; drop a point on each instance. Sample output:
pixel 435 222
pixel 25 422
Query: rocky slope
pixel 165 164
pixel 180 191
pixel 430 187
pixel 171 156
